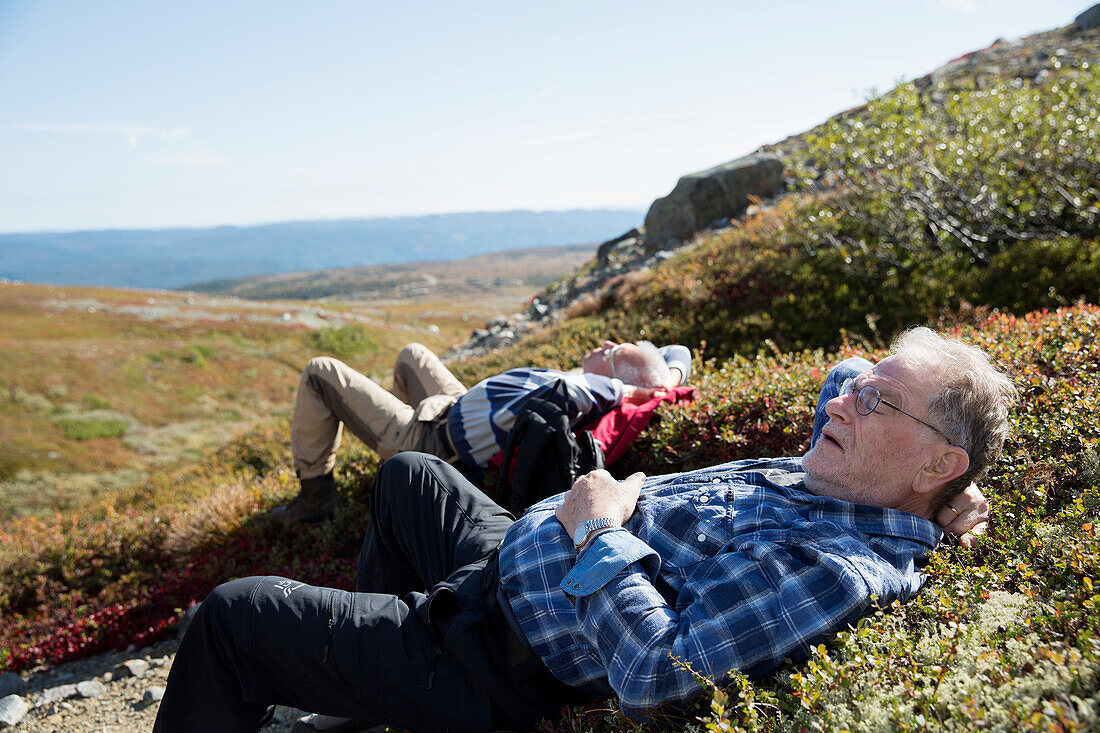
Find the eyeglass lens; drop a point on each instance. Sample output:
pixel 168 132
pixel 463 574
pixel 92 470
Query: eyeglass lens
pixel 867 398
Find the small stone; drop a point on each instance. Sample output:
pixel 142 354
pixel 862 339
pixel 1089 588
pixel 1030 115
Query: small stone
pixel 153 694
pixel 131 668
pixel 91 688
pixel 11 684
pixel 55 694
pixel 12 710
pixel 66 706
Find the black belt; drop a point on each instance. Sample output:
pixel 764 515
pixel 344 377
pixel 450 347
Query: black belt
pixel 445 440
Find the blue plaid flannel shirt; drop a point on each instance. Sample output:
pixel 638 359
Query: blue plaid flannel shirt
pixel 731 567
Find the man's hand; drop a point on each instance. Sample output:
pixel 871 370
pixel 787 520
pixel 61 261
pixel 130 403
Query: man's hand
pixel 598 494
pixel 966 516
pixel 641 395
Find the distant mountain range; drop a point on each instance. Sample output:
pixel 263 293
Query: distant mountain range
pixel 177 258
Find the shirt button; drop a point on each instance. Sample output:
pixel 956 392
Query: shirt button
pixel 701 537
pixel 716 480
pixel 576 585
pixel 704 499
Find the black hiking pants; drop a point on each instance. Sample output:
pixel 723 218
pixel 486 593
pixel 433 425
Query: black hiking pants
pixel 423 645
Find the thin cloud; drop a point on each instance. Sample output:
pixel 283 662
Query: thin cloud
pixel 132 132
pixel 187 159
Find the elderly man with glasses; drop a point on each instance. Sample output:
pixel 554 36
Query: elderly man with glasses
pixel 428 410
pixel 468 620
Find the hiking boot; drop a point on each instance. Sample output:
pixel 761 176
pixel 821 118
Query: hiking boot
pixel 314 723
pixel 316 502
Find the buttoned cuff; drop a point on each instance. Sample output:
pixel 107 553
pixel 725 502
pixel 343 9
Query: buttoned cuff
pixel 604 557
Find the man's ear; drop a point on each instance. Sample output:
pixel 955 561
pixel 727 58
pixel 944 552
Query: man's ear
pixel 947 464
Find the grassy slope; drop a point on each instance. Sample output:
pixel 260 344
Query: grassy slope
pixel 99 387
pixel 1004 634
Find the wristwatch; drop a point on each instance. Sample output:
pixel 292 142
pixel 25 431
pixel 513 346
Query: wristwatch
pixel 580 537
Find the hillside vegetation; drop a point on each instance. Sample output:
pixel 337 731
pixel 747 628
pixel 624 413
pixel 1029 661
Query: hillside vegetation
pixel 910 213
pixel 100 388
pixel 1006 634
pixel 912 209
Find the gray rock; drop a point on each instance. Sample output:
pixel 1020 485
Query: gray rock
pixel 55 694
pixel 480 333
pixel 1088 19
pixel 496 322
pixel 11 684
pixel 131 668
pixel 623 241
pixel 12 710
pixel 91 688
pixel 718 193
pixel 153 694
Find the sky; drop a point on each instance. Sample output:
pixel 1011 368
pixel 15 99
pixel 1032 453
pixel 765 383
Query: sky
pixel 152 114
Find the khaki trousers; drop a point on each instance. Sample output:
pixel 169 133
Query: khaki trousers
pixel 331 394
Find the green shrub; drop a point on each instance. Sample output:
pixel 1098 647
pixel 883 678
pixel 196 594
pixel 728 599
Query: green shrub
pixel 964 176
pixel 347 342
pixel 95 402
pixel 89 426
pixel 194 357
pixel 915 208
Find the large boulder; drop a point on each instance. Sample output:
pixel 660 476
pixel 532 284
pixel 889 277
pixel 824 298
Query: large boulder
pixel 1088 19
pixel 704 198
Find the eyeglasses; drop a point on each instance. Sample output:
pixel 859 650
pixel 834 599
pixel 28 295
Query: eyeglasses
pixel 868 398
pixel 611 358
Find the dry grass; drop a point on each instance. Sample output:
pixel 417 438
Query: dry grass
pixel 185 373
pixel 212 519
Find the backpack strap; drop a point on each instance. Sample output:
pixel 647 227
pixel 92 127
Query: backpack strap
pixel 542 423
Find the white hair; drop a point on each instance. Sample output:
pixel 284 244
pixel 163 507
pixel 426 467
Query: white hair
pixel 972 404
pixel 646 368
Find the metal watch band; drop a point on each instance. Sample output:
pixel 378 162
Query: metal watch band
pixel 586 528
